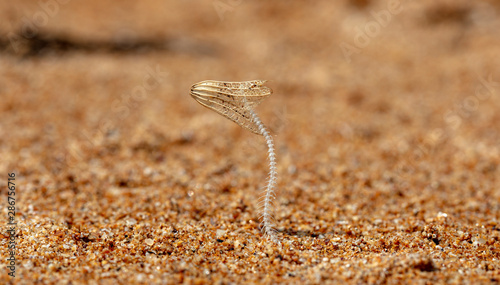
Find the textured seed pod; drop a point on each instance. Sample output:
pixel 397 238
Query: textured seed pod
pixel 236 101
pixel 233 100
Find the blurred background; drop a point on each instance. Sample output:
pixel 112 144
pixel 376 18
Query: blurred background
pixel 368 89
pixel 359 85
pixel 74 72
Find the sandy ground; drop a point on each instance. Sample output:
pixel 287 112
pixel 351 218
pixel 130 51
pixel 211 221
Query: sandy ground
pixel 385 116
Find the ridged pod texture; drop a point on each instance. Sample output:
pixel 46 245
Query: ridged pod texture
pixel 236 101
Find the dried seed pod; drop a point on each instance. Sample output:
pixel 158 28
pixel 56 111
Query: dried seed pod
pixel 233 100
pixel 236 101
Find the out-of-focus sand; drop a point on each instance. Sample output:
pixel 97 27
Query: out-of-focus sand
pixel 387 150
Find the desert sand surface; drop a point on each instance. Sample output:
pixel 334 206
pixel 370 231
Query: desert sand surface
pixel 385 117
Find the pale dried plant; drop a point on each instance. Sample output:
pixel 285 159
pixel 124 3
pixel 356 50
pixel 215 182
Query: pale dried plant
pixel 236 101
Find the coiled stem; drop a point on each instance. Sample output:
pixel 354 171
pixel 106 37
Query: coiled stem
pixel 266 203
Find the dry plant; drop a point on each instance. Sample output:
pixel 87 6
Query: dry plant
pixel 236 101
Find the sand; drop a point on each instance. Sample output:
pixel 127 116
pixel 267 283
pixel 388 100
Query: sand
pixel 385 117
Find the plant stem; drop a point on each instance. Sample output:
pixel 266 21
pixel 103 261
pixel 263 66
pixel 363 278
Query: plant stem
pixel 266 209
